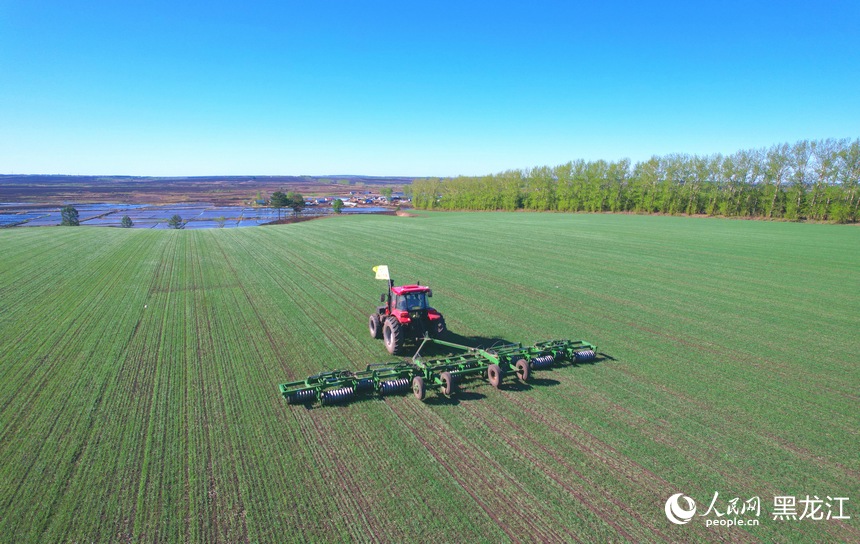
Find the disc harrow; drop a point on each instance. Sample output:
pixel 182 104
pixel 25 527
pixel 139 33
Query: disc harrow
pixel 441 374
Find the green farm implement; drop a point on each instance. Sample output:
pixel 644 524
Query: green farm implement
pixel 442 374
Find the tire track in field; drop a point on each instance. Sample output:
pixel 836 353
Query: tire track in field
pixel 455 475
pixel 206 344
pixel 276 348
pixel 88 301
pixel 612 459
pixel 738 423
pixel 217 409
pixel 305 300
pixel 10 497
pixel 345 479
pixel 782 370
pixel 153 391
pixel 593 445
pixel 249 300
pixel 776 367
pixel 138 382
pixel 236 460
pixel 352 507
pixel 481 415
pixel 482 477
pixel 690 442
pixel 84 300
pixel 34 284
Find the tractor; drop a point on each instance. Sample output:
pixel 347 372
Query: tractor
pixel 406 315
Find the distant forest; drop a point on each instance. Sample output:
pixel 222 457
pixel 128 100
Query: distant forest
pixel 809 180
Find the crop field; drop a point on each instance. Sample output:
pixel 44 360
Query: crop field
pixel 139 373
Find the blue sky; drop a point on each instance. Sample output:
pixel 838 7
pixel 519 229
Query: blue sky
pixel 400 88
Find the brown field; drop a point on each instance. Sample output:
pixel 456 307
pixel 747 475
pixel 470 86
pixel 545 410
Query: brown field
pixel 221 190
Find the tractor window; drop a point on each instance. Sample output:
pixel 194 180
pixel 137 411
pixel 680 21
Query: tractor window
pixel 415 301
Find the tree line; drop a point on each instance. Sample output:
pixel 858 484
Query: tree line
pixel 809 180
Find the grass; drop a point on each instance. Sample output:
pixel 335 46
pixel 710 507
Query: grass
pixel 138 386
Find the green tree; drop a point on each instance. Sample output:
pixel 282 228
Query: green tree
pixel 509 186
pixel 279 200
pixel 795 204
pixel 220 220
pixel 295 201
pixel 337 205
pixel 817 180
pixel 175 222
pixel 70 216
pixel 426 192
pixel 386 192
pixel 541 189
pixel 126 222
pixel 849 176
pixel 777 169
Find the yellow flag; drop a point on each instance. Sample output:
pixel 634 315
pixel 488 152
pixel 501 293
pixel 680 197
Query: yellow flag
pixel 381 272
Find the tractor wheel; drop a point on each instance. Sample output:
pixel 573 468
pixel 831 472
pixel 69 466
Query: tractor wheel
pixel 375 326
pixel 523 370
pixel 494 375
pixel 392 335
pixel 448 385
pixel 418 387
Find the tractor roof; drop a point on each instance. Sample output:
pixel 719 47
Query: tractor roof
pixel 403 289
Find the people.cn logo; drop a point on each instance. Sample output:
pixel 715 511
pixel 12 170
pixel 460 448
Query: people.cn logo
pixel 676 513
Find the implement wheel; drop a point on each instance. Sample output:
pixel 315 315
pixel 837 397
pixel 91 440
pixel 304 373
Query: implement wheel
pixel 523 370
pixel 448 385
pixel 392 335
pixel 494 375
pixel 418 387
pixel 375 326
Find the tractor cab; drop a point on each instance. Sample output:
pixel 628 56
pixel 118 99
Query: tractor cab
pixel 410 298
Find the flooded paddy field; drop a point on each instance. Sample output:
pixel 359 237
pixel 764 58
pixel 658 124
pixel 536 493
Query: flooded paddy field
pixel 195 215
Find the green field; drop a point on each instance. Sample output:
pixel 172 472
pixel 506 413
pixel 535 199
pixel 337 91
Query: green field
pixel 139 400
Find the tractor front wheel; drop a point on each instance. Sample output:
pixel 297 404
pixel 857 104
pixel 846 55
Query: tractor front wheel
pixel 392 335
pixel 375 326
pixel 494 375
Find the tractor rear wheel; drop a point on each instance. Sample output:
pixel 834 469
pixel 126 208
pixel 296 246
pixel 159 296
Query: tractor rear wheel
pixel 375 326
pixel 523 370
pixel 448 385
pixel 392 335
pixel 494 375
pixel 418 387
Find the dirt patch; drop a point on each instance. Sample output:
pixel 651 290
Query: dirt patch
pixel 401 213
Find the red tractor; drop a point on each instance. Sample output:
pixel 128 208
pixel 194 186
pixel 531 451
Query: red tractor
pixel 405 317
